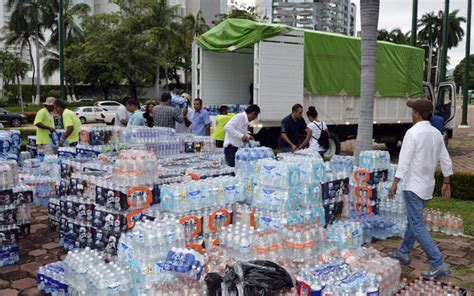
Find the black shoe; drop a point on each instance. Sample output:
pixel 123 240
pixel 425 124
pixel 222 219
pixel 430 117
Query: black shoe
pixel 401 257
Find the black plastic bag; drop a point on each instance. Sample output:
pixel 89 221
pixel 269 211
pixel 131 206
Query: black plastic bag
pixel 257 277
pixel 213 281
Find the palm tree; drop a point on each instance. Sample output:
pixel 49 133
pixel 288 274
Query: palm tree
pixel 369 11
pixel 28 19
pixel 192 27
pixel 73 33
pixel 15 70
pixel 162 21
pixel 431 33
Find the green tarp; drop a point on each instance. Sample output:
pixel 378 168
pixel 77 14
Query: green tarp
pixel 332 65
pixel 233 34
pixel 331 61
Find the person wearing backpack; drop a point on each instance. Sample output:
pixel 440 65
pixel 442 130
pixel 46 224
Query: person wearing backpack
pixel 317 133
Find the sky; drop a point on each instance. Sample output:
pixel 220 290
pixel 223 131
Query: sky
pixel 397 14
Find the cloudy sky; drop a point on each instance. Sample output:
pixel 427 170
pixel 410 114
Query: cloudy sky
pixel 397 14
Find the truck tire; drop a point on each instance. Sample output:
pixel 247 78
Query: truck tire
pixel 392 145
pixel 334 145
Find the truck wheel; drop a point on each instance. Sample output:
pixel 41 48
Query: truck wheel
pixel 391 145
pixel 334 145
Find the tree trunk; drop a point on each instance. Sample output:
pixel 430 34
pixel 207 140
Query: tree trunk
pixel 186 80
pixel 105 90
pixel 20 94
pixel 369 10
pixel 157 82
pixel 38 66
pixel 133 89
pixel 34 73
pixel 73 91
pixel 167 86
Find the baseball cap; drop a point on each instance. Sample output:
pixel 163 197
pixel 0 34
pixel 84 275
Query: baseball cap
pixel 422 106
pixel 49 101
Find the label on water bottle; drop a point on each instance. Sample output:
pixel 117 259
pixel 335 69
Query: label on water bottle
pixel 194 195
pixel 373 293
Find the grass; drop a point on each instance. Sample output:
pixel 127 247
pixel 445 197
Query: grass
pixel 17 109
pixel 463 208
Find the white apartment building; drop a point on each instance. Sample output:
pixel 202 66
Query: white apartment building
pixel 338 16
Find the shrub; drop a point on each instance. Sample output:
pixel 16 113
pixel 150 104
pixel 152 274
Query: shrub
pixel 462 185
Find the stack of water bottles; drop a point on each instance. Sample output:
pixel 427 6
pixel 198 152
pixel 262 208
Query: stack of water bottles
pixel 345 234
pixel 446 223
pixel 51 279
pixel 42 177
pixel 155 253
pixel 15 211
pixel 340 163
pixel 335 278
pixel 10 142
pixel 86 273
pixel 194 195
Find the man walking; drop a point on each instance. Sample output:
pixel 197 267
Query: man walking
pixel 71 123
pixel 236 132
pixel 422 148
pixel 44 123
pixel 122 115
pixel 293 130
pixel 166 116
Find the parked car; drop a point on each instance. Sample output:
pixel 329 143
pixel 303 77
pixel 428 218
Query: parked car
pixel 105 116
pixel 11 118
pixel 89 114
pixel 108 105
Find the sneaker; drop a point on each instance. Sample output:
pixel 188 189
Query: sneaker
pixel 402 257
pixel 437 272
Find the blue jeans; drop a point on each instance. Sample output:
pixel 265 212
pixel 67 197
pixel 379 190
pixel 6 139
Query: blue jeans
pixel 417 231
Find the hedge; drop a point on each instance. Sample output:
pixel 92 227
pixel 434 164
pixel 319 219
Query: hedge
pixel 462 185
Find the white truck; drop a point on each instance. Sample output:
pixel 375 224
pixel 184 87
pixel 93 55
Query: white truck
pixel 288 66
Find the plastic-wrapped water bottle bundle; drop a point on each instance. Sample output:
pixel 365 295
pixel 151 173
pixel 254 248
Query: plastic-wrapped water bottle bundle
pixel 447 223
pixel 340 163
pixel 31 146
pixel 15 211
pixel 374 160
pixel 95 135
pixel 86 273
pixel 345 234
pixel 143 135
pixel 246 160
pixel 51 279
pixel 335 278
pixel 386 270
pixel 378 226
pixel 10 142
pixel 194 195
pixel 135 168
pixel 291 172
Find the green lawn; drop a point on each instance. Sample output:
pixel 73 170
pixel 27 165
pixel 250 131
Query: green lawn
pixel 17 109
pixel 464 208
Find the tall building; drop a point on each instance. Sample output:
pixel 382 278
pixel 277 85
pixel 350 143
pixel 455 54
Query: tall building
pixel 102 6
pixel 210 8
pixel 338 16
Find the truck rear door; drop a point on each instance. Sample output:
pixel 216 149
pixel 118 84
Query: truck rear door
pixel 279 75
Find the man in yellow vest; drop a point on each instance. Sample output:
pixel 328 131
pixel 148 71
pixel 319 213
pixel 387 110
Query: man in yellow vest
pixel 44 123
pixel 71 123
pixel 221 121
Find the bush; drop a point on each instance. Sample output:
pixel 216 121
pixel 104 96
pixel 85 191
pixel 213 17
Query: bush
pixel 462 185
pixel 30 116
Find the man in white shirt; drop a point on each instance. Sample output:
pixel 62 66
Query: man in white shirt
pixel 122 115
pixel 236 132
pixel 423 147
